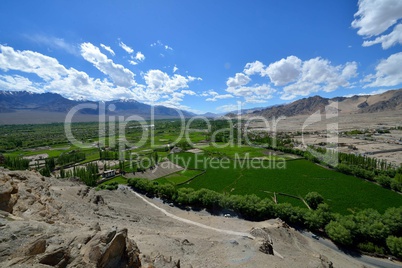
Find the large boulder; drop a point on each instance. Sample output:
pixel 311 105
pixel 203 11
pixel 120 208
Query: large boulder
pixel 8 194
pixel 111 249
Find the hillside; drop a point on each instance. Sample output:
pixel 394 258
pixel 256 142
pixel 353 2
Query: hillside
pixel 26 107
pixel 48 222
pixel 385 102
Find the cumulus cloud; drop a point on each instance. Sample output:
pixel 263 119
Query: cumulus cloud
pixel 284 71
pixel 159 81
pixel 174 100
pixel 253 94
pixel 108 49
pixel 214 96
pixel 159 84
pixel 139 56
pixel 240 79
pixel 128 49
pixel 388 72
pixel 295 76
pixel 374 17
pixel 160 88
pixel 27 61
pixel 319 75
pixel 18 83
pixel 256 67
pixel 120 75
pixel 70 83
pixel 387 40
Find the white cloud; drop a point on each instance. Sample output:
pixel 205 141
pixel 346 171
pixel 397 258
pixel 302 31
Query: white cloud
pixel 174 100
pixel 388 40
pixel 160 88
pixel 388 72
pixel 27 61
pixel 139 56
pixel 159 43
pixel 128 49
pixel 188 92
pixel 160 83
pixel 252 68
pixel 375 92
pixel 18 83
pixel 284 71
pixel 227 108
pixel 299 78
pixel 240 79
pixel 70 83
pixel 214 96
pixel 253 94
pixel 220 97
pixel 319 75
pixel 107 48
pixel 175 69
pixel 54 43
pixel 132 62
pixel 374 17
pixel 120 75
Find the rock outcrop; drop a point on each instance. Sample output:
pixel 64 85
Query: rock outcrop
pixel 37 231
pixel 8 194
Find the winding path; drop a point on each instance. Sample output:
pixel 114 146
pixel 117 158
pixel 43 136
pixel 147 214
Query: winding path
pixel 197 223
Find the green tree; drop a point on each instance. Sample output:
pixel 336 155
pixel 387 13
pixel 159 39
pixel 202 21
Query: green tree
pixel 317 219
pixel 395 245
pixel 339 233
pixel 393 219
pixel 370 226
pixel 313 199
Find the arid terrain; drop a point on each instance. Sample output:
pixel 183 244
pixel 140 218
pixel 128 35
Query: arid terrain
pixel 316 132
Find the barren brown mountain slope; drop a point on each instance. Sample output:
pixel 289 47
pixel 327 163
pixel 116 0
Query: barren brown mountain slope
pixel 385 102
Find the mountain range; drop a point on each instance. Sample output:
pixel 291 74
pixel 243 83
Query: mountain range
pixel 17 107
pixel 388 101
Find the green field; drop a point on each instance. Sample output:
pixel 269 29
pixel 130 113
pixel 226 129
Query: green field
pixel 342 192
pixel 118 179
pixel 179 177
pixel 235 151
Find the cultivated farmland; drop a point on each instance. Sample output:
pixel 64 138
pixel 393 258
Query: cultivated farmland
pixel 344 193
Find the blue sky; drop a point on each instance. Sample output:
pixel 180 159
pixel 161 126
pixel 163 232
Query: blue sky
pixel 201 55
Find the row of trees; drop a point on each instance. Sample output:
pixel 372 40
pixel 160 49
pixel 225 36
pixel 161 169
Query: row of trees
pixel 16 163
pixel 367 230
pixel 49 166
pixel 70 158
pixel 108 155
pixel 88 174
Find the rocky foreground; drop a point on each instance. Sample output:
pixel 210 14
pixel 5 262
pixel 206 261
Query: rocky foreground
pixel 62 223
